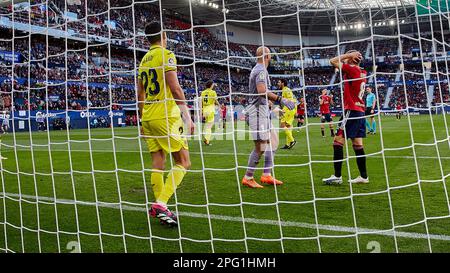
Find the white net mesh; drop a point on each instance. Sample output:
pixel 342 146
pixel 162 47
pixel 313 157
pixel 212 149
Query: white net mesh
pixel 76 173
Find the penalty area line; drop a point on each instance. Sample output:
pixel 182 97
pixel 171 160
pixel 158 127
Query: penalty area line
pixel 344 229
pixel 223 153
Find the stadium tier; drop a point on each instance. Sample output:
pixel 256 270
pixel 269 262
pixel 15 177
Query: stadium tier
pixel 138 126
pixel 31 63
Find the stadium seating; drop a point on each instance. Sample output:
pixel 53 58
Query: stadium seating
pixel 99 67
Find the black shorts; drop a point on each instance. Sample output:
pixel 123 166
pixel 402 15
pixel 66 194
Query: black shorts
pixel 369 111
pixel 326 117
pixel 300 116
pixel 354 124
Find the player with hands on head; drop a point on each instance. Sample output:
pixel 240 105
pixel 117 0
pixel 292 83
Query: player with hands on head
pixel 352 123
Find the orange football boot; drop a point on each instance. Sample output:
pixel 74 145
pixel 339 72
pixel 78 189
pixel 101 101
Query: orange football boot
pixel 268 179
pixel 251 183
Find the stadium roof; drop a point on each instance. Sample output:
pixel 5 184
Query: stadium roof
pixel 316 17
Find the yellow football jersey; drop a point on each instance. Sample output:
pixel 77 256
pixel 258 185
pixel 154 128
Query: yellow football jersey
pixel 209 98
pixel 287 94
pixel 159 102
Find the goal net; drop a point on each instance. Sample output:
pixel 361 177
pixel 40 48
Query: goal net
pixel 76 172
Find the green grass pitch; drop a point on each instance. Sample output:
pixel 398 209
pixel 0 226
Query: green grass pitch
pixel 303 215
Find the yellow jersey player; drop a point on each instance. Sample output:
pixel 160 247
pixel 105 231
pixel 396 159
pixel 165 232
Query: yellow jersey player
pixel 162 111
pixel 288 115
pixel 209 101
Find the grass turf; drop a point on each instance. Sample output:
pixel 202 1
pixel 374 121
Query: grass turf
pixel 88 170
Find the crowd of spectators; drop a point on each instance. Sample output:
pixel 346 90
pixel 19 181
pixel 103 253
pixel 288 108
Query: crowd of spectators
pixel 323 51
pixel 441 93
pixel 416 96
pixel 95 18
pixel 385 47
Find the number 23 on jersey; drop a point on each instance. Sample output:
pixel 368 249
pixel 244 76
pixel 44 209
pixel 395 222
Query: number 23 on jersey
pixel 150 82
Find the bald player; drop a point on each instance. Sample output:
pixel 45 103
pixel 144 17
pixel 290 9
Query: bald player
pixel 258 118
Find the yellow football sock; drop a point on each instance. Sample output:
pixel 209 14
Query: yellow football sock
pixel 208 132
pixel 157 181
pixel 174 179
pixel 289 137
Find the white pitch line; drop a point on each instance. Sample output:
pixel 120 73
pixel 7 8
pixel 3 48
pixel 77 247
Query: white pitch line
pixel 328 155
pixel 365 231
pixel 239 154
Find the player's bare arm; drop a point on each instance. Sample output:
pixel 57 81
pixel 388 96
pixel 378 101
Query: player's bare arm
pixel 262 91
pixel 141 100
pixel 178 94
pixel 339 60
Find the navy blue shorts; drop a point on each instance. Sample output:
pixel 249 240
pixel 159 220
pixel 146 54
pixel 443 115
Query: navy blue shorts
pixel 354 124
pixel 326 117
